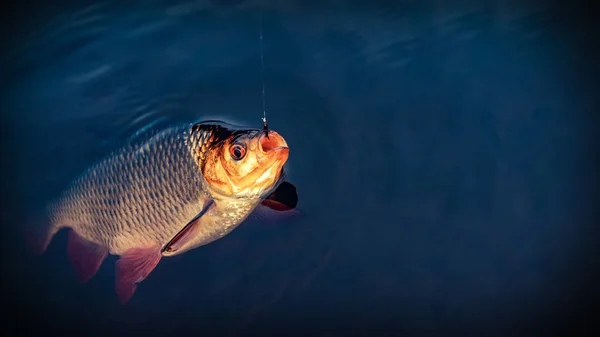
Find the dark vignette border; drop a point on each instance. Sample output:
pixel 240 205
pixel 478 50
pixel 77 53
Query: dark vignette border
pixel 580 315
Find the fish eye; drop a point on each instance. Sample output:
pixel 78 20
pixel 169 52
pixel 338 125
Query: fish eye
pixel 237 151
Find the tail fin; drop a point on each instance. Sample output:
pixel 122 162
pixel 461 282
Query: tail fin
pixel 39 237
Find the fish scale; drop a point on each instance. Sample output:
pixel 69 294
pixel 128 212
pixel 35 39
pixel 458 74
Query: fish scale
pixel 159 186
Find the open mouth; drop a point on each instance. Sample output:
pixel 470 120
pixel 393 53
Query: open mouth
pixel 272 142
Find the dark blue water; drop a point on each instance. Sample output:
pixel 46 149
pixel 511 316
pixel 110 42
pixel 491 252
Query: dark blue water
pixel 439 152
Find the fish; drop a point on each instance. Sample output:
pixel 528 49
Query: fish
pixel 171 192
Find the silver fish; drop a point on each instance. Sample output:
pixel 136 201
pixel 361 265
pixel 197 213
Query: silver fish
pixel 180 189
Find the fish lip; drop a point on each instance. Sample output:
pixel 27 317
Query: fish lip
pixel 282 147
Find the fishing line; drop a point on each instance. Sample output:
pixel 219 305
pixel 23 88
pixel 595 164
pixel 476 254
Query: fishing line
pixel 262 76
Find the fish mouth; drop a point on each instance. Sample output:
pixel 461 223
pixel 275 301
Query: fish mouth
pixel 272 142
pixel 273 147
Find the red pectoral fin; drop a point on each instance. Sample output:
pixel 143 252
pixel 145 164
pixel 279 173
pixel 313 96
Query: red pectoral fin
pixel 185 235
pixel 132 268
pixel 86 257
pixel 188 232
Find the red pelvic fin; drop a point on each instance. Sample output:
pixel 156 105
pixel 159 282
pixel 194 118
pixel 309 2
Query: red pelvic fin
pixel 132 268
pixel 85 256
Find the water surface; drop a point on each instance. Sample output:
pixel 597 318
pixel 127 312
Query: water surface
pixel 435 150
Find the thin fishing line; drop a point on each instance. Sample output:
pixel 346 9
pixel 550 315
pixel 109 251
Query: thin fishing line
pixel 262 77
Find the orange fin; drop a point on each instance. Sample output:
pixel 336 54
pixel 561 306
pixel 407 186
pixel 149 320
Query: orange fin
pixel 86 257
pixel 132 268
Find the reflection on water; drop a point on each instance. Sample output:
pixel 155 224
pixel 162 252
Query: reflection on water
pixel 432 151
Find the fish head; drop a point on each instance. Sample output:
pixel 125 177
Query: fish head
pixel 245 163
